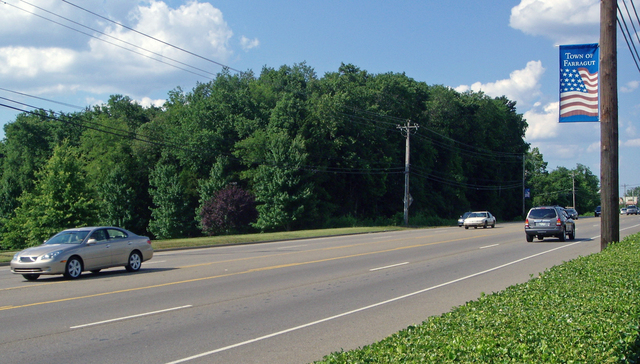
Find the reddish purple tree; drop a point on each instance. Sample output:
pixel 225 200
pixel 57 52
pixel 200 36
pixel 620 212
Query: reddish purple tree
pixel 231 210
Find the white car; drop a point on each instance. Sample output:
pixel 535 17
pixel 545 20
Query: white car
pixel 480 218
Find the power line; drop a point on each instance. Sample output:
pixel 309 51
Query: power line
pixel 627 34
pixel 150 37
pixel 104 40
pixel 112 37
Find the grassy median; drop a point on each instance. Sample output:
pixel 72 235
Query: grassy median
pixel 583 311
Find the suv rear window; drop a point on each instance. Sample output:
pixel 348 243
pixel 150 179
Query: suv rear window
pixel 542 214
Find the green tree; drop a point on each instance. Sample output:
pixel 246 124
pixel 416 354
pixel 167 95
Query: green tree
pixel 282 194
pixel 60 200
pixel 171 215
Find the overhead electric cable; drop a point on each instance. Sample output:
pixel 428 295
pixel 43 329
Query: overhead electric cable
pixel 120 40
pixel 104 40
pixel 40 98
pixel 150 37
pixel 629 40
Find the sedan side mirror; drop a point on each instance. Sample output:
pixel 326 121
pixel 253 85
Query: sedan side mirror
pixel 91 241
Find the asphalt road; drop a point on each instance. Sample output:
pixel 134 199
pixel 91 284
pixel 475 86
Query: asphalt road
pixel 281 302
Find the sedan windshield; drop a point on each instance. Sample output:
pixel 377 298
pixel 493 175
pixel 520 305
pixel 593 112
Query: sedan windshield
pixel 68 237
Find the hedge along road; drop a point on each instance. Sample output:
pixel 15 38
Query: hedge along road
pixel 281 302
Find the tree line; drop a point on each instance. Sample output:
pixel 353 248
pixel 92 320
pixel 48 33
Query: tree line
pixel 282 150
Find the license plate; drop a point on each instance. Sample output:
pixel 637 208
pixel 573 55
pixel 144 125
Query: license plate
pixel 542 224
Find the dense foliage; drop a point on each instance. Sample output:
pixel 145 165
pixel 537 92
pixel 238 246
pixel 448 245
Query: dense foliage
pixel 583 311
pixel 310 150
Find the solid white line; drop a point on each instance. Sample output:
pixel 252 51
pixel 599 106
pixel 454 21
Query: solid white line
pixel 389 266
pixel 129 317
pixel 489 246
pixel 365 307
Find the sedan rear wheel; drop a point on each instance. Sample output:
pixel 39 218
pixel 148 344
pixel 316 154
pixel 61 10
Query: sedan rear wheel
pixel 31 277
pixel 135 261
pixel 73 268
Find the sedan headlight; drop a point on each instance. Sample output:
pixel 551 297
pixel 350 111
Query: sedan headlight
pixel 52 255
pixel 15 257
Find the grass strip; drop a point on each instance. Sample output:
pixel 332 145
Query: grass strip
pixel 586 310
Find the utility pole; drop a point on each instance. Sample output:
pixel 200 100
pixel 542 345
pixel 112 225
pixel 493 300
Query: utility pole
pixel 573 188
pixel 610 219
pixel 407 196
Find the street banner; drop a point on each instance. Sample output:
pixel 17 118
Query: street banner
pixel 579 82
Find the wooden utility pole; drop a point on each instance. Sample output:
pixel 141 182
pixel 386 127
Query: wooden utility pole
pixel 610 219
pixel 407 196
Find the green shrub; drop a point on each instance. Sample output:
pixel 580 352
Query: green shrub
pixel 583 311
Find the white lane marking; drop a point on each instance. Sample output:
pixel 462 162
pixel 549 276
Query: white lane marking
pixel 130 317
pixel 364 308
pixel 292 246
pixel 489 246
pixel 389 266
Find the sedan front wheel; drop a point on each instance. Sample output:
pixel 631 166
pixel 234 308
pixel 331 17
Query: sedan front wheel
pixel 73 268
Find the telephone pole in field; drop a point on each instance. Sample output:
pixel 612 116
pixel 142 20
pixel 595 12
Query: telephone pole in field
pixel 407 196
pixel 610 219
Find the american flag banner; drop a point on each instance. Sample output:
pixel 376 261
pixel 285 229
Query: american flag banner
pixel 579 83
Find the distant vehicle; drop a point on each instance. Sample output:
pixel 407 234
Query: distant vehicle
pixel 572 213
pixel 623 211
pixel 462 217
pixel 549 221
pixel 597 211
pixel 72 251
pixel 480 218
pixel 632 210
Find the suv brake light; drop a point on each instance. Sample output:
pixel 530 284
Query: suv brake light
pixel 526 223
pixel 558 222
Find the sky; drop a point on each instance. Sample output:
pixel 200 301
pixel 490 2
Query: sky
pixel 499 47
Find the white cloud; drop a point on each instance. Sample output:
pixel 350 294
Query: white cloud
pixel 542 124
pixel 632 143
pixel 247 43
pixel 522 85
pixel 21 62
pixel 630 86
pixel 594 147
pixel 563 21
pixel 43 56
pixel 147 101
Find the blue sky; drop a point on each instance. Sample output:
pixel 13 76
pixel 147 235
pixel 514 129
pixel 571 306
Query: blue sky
pixel 500 47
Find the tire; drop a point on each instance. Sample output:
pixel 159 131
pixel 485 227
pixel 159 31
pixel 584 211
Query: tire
pixel 562 236
pixel 540 238
pixel 31 277
pixel 493 225
pixel 529 238
pixel 572 234
pixel 484 226
pixel 466 227
pixel 135 261
pixel 73 269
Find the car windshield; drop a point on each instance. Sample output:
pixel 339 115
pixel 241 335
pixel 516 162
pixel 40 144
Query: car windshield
pixel 478 214
pixel 68 237
pixel 542 214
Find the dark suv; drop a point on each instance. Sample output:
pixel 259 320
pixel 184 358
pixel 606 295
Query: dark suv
pixel 549 221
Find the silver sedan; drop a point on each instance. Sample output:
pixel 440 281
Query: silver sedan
pixel 72 251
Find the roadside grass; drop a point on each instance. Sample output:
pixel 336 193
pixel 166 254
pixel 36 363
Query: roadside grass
pixel 586 310
pixel 264 237
pixel 6 256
